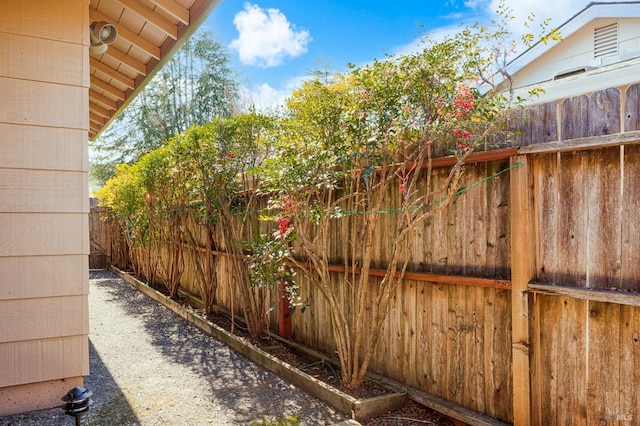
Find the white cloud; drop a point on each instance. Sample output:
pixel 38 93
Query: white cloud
pixel 559 13
pixel 268 100
pixel 264 98
pixel 475 4
pixel 266 37
pixel 483 11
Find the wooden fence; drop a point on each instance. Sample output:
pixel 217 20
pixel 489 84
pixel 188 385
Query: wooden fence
pixel 99 238
pixel 522 300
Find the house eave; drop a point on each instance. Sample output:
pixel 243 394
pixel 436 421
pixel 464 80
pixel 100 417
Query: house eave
pixel 592 11
pixel 108 97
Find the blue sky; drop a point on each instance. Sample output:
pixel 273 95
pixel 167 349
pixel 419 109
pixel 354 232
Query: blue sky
pixel 274 44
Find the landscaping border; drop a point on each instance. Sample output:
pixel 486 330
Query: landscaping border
pixel 358 408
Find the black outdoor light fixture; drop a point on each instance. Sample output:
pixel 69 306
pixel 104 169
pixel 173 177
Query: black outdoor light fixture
pixel 78 402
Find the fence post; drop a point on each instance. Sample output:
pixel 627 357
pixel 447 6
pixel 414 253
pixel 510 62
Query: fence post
pixel 107 223
pixel 523 264
pixel 284 312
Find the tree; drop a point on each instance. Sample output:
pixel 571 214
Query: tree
pixel 218 159
pixel 194 87
pixel 123 195
pixel 200 177
pixel 349 146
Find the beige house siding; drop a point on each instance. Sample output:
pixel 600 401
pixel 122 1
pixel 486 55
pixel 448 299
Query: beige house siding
pixel 44 242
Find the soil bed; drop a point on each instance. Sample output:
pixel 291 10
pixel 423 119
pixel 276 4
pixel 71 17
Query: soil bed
pixel 319 369
pixel 411 413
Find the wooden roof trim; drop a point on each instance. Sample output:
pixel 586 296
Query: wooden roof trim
pixel 174 9
pixel 137 41
pixel 151 17
pixel 96 119
pixel 103 85
pixel 198 13
pixel 188 23
pixel 101 99
pixel 118 76
pixel 127 60
pixel 98 110
pixel 125 33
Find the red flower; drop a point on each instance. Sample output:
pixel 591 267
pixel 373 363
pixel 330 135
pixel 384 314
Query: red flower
pixel 287 206
pixel 463 146
pixel 464 134
pixel 283 224
pixel 463 102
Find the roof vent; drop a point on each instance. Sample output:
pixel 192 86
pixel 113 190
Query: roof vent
pixel 572 71
pixel 569 73
pixel 605 41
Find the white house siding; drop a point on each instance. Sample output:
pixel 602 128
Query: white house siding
pixel 44 242
pixel 576 51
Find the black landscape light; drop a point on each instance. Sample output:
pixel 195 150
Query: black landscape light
pixel 78 402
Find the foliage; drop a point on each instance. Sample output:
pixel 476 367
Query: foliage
pixel 348 146
pixel 166 201
pixel 123 196
pixel 194 87
pixel 200 176
pixel 270 265
pixel 220 156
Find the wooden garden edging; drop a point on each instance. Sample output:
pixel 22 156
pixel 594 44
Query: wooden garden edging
pixel 357 408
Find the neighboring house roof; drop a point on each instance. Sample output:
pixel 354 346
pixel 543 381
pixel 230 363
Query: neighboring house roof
pixel 149 33
pixel 600 48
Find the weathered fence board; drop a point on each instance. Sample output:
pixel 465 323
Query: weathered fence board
pixel 584 350
pixel 561 382
pixel 591 115
pixel 536 124
pixel 632 108
pixel 604 334
pixel 630 225
pixel 604 219
pixel 629 362
pixel 99 238
pixel 585 202
pixel 572 232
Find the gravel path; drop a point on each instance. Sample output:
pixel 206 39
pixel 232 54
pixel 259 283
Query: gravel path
pixel 150 367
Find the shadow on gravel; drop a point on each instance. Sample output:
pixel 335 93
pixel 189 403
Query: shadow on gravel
pixel 110 406
pixel 235 382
